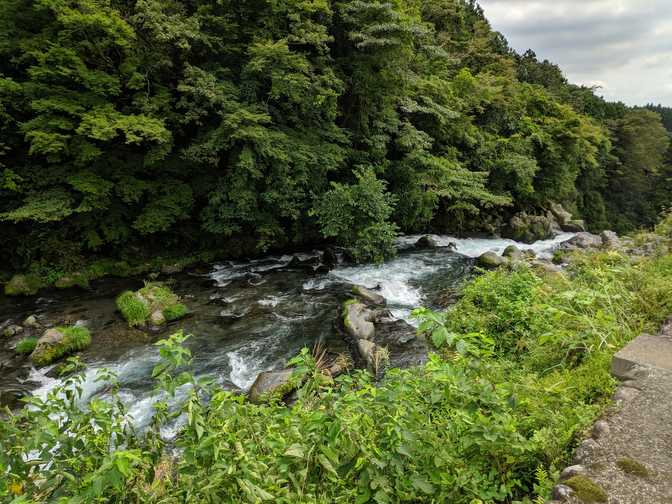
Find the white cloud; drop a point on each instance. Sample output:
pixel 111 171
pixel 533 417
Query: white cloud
pixel 626 45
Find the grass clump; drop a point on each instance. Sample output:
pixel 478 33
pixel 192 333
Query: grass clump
pixel 586 489
pixel 26 345
pixel 630 466
pixel 137 307
pixel 23 285
pixel 74 339
pixel 175 312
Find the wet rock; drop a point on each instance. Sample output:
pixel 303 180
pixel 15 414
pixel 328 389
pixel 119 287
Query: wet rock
pixel 23 285
pixel 582 240
pixel 490 260
pixel 574 226
pixel 357 320
pixel 369 296
pixel 513 253
pixel 72 280
pixel 610 240
pixel 31 321
pixel 272 384
pixel 601 429
pixel 171 269
pixel 530 228
pixel 426 242
pixel 59 342
pixel 12 330
pixel 157 318
pixel 625 394
pixel 562 492
pixel 401 340
pixel 571 471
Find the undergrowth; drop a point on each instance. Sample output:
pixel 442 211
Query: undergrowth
pixel 521 369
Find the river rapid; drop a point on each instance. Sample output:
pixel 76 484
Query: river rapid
pixel 246 317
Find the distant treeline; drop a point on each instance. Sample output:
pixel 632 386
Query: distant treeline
pixel 128 127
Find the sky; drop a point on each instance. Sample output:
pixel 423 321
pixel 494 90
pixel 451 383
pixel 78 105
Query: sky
pixel 623 46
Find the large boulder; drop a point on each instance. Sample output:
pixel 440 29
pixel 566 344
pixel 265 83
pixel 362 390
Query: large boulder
pixel 426 242
pixel 581 241
pixel 358 320
pixel 490 260
pixel 565 220
pixel 23 285
pixel 370 297
pixel 155 305
pixel 513 253
pixel 58 342
pixel 272 384
pixel 530 228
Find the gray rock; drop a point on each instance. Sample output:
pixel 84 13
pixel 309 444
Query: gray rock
pixel 490 260
pixel 546 266
pixel 610 240
pixel 581 241
pixel 426 242
pixel 513 253
pixel 560 214
pixel 157 318
pixel 530 228
pixel 369 296
pixel 644 351
pixel 271 383
pixel 625 394
pixel 571 471
pixel 367 350
pixel 574 226
pixel 585 450
pixel 562 492
pixel 12 330
pixel 31 321
pixel 601 429
pixel 357 319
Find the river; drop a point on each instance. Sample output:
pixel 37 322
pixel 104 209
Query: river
pixel 246 316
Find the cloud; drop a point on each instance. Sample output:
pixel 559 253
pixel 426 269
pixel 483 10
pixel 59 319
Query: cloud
pixel 624 44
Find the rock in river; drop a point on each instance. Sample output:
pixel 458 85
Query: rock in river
pixel 272 384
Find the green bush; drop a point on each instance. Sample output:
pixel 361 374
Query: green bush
pixel 26 345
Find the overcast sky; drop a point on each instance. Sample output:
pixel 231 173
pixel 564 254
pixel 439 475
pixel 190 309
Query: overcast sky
pixel 624 46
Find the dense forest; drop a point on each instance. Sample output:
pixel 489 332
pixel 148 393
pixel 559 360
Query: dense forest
pixel 129 127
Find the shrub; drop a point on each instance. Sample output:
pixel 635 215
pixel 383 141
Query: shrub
pixel 26 345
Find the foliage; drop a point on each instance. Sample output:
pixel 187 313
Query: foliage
pixel 175 311
pixel 145 126
pixel 138 307
pixel 133 309
pixel 26 345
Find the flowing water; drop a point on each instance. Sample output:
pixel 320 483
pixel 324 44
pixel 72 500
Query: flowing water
pixel 247 317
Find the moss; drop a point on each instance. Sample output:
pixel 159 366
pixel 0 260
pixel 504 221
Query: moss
pixel 344 313
pixel 23 285
pixel 26 345
pixel 72 280
pixel 133 309
pixel 633 467
pixel 175 311
pixel 75 338
pixel 587 490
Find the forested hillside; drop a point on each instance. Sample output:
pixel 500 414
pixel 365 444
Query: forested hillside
pixel 129 127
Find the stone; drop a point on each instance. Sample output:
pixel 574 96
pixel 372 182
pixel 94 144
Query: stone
pixel 560 214
pixel 571 471
pixel 367 350
pixel 601 429
pixel 72 280
pixel 530 228
pixel 31 321
pixel 546 266
pixel 574 226
pixel 426 242
pixel 157 318
pixel 513 253
pixel 490 260
pixel 610 240
pixel 12 330
pixel 23 285
pixel 625 394
pixel 582 240
pixel 272 383
pixel 370 297
pixel 357 320
pixel 562 492
pixel 645 351
pixel 585 450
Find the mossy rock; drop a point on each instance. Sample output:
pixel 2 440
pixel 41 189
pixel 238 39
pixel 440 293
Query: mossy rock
pixel 59 342
pixel 586 489
pixel 630 466
pixel 23 285
pixel 72 280
pixel 154 303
